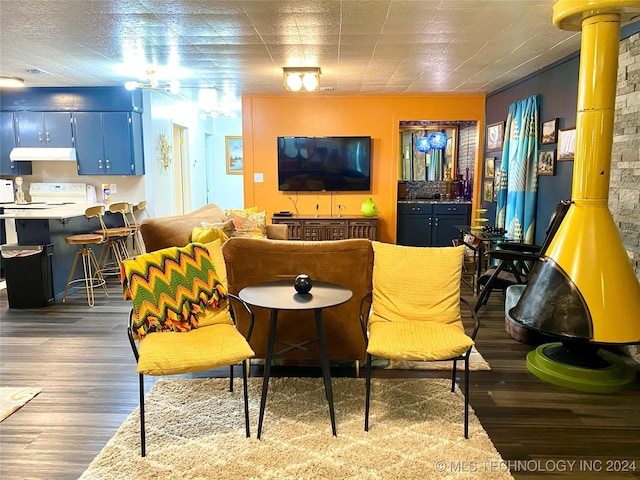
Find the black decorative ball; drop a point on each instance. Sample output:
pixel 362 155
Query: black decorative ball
pixel 302 283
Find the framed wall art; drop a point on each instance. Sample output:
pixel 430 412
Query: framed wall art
pixel 549 132
pixel 495 136
pixel 488 191
pixel 547 162
pixel 233 152
pixel 566 143
pixel 489 167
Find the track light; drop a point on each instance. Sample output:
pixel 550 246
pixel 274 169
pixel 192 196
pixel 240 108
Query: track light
pixel 11 82
pixel 303 78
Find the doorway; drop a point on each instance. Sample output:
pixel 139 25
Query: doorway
pixel 182 177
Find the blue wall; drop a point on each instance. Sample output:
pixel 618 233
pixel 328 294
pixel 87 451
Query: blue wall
pixel 558 85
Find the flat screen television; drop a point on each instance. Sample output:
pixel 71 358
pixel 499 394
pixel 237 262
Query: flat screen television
pixel 324 164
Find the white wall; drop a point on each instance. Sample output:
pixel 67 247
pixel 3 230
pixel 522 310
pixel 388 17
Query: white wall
pixel 227 191
pixel 208 183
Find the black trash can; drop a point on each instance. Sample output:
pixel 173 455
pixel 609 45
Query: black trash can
pixel 28 275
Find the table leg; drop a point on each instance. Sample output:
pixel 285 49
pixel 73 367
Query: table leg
pixel 326 369
pixel 267 367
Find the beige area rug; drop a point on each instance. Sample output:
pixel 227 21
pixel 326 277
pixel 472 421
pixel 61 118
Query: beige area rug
pixel 13 398
pixel 476 363
pixel 195 430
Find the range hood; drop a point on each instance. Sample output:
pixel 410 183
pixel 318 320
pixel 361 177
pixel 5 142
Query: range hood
pixel 43 154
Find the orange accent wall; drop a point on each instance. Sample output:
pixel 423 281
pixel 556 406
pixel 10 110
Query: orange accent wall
pixel 265 117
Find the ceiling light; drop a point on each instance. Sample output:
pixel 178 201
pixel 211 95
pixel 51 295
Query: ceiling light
pixel 152 82
pixel 11 82
pixel 296 79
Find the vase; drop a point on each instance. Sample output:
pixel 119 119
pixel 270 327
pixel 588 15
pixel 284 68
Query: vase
pixel 368 208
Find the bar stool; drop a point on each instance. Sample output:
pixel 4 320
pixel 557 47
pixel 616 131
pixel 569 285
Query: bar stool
pixel 138 244
pixel 115 248
pixel 92 273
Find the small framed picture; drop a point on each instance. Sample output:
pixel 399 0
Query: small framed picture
pixel 549 132
pixel 234 155
pixel 547 162
pixel 497 180
pixel 566 143
pixel 495 136
pixel 488 191
pixel 489 167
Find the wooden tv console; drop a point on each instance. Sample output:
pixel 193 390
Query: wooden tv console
pixel 329 228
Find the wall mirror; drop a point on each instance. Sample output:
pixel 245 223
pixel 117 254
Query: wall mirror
pixel 420 160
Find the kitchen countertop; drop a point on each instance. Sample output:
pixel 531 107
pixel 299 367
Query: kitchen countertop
pixel 42 211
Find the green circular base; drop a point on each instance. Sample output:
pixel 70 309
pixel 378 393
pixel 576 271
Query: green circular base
pixel 613 375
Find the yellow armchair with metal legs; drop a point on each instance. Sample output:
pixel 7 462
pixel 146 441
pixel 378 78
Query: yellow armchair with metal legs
pixel 414 311
pixel 182 320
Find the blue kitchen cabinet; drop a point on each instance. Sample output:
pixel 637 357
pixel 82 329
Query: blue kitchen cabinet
pixel 430 224
pixel 109 143
pixel 43 129
pixel 7 143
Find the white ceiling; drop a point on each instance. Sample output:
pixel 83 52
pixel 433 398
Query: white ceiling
pixel 379 47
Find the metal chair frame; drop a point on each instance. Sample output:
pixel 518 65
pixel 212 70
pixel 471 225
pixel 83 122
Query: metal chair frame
pixel 365 306
pixel 245 372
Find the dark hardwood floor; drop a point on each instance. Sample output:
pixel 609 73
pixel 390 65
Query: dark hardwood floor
pixel 80 358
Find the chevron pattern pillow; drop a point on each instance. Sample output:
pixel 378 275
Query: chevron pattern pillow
pixel 169 288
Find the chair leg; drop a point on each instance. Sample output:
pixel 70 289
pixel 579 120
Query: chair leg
pixel 88 275
pixel 143 446
pixel 71 274
pixel 466 396
pixel 367 394
pixel 453 375
pixel 98 273
pixel 231 378
pixel 245 391
pixel 357 368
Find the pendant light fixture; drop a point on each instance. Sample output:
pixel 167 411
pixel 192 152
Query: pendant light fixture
pixel 438 140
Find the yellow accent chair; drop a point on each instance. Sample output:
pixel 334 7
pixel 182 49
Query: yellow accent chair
pixel 209 340
pixel 414 311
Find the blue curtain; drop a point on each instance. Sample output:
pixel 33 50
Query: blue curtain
pixel 436 159
pixel 517 175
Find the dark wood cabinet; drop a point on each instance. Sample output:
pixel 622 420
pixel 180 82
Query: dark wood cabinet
pixel 329 228
pixel 422 224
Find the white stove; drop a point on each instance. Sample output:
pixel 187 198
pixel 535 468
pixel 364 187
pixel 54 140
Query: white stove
pixel 62 193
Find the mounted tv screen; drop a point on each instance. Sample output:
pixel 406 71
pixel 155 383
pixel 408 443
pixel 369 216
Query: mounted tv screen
pixel 324 164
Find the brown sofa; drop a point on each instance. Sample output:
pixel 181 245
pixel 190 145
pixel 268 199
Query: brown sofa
pixel 346 262
pixel 175 231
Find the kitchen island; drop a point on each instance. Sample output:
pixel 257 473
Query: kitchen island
pixel 45 224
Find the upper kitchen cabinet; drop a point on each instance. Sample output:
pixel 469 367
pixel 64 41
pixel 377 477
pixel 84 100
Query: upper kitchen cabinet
pixel 109 143
pixel 43 129
pixel 7 143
